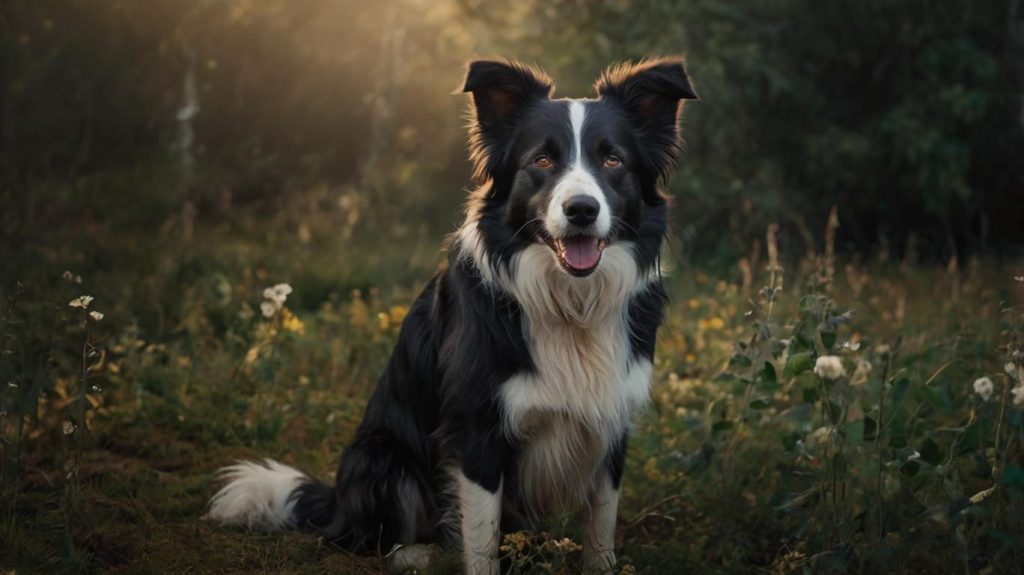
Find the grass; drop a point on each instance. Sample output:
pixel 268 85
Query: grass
pixel 746 461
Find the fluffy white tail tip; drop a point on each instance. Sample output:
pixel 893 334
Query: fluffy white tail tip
pixel 257 495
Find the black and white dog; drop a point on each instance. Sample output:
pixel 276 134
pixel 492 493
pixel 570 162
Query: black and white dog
pixel 521 364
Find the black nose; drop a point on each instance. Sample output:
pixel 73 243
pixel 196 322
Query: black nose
pixel 581 210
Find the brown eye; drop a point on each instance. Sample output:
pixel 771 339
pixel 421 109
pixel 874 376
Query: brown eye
pixel 612 162
pixel 542 162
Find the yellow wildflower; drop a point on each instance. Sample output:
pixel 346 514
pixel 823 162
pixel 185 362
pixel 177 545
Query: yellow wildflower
pixel 291 322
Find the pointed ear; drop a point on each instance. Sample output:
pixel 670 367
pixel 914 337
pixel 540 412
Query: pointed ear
pixel 652 93
pixel 501 90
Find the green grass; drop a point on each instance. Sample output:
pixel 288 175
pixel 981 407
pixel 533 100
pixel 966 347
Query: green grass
pixel 745 462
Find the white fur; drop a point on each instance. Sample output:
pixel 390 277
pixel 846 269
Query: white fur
pixel 471 246
pixel 577 115
pixel 585 388
pixel 578 181
pixel 257 495
pixel 480 512
pixel 599 545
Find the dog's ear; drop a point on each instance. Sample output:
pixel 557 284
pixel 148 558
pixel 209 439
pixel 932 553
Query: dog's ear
pixel 652 93
pixel 501 90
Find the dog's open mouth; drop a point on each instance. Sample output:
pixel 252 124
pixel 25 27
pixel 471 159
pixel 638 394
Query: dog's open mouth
pixel 579 255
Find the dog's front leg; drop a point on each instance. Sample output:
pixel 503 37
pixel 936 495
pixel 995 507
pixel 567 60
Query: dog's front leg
pixel 480 507
pixel 599 546
pixel 601 513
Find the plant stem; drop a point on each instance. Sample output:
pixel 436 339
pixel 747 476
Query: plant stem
pixel 878 448
pixel 81 395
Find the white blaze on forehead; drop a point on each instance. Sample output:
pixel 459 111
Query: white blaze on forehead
pixel 577 181
pixel 577 113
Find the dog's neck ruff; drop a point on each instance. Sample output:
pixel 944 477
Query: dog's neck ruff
pixel 585 387
pixel 546 293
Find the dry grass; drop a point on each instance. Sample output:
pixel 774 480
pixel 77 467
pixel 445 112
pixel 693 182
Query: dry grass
pixel 729 471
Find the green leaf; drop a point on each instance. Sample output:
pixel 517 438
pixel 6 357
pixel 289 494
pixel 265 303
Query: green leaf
pixel 898 437
pixel 899 390
pixel 828 339
pixel 739 361
pixel 796 346
pixel 804 338
pixel 760 403
pixel 768 377
pixel 720 426
pixel 834 408
pixel 838 464
pixel 910 468
pixel 798 363
pixel 930 452
pixel 855 433
pixel 725 377
pixel 789 440
pixel 969 439
pixel 810 394
pixel 870 429
pixel 1013 476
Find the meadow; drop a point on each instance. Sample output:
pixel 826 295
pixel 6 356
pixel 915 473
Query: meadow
pixel 839 382
pixel 810 413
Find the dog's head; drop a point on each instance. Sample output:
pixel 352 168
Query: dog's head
pixel 575 175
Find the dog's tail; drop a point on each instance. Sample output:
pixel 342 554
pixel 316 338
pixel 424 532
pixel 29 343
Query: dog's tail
pixel 272 496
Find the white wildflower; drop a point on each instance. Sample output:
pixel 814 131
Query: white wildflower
pixel 268 308
pixel 984 388
pixel 277 295
pixel 1013 370
pixel 81 301
pixel 1018 395
pixel 829 367
pixel 96 315
pixel 860 375
pixel 823 438
pixel 851 345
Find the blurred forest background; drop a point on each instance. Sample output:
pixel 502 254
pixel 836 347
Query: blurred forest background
pixel 174 158
pixel 906 115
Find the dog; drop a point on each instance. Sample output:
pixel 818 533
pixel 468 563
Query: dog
pixel 519 368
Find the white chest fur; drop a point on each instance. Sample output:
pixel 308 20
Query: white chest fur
pixel 584 389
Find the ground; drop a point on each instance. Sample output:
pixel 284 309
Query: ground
pixel 753 456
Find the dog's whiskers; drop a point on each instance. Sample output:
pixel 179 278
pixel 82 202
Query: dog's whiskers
pixel 624 224
pixel 523 227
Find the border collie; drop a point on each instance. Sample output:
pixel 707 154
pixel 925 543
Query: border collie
pixel 519 368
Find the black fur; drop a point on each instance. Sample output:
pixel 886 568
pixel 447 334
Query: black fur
pixel 437 403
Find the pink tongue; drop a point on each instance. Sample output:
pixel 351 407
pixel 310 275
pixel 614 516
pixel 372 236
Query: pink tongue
pixel 581 252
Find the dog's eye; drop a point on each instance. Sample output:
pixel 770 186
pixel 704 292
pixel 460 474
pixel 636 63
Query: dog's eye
pixel 542 161
pixel 612 162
